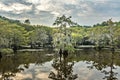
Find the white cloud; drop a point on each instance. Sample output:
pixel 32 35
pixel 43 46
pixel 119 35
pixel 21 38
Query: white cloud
pixel 43 7
pixel 33 1
pixel 100 1
pixel 15 8
pixel 5 8
pixel 54 7
pixel 82 11
pixel 55 13
pixel 72 2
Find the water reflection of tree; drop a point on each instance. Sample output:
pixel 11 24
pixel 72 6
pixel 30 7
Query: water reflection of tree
pixel 111 75
pixel 102 61
pixel 63 69
pixel 99 61
pixel 9 68
pixel 12 64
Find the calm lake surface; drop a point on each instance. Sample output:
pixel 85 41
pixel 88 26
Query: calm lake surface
pixel 45 65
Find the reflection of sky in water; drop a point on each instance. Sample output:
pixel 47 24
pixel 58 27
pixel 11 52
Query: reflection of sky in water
pixel 118 70
pixel 85 73
pixel 41 72
pixel 35 72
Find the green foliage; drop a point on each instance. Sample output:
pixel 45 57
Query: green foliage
pixel 6 51
pixel 70 48
pixel 66 35
pixel 62 37
pixel 40 35
pixel 11 33
pixel 27 27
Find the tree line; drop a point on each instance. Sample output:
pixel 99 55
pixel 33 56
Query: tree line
pixel 16 35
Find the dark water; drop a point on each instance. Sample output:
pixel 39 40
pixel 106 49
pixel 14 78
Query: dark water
pixel 81 65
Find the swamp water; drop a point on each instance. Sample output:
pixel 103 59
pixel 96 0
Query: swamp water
pixel 46 65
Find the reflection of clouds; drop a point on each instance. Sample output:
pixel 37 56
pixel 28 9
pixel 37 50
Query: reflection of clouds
pixel 85 73
pixel 35 72
pixel 20 76
pixel 43 76
pixel 112 73
pixel 53 70
pixel 41 72
pixel 40 75
pixel 118 70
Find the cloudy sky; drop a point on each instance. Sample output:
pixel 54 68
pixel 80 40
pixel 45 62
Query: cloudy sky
pixel 84 12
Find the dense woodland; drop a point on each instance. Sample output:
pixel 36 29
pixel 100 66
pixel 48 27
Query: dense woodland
pixel 17 35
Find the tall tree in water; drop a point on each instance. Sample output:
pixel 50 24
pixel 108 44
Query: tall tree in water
pixel 63 39
pixel 111 31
